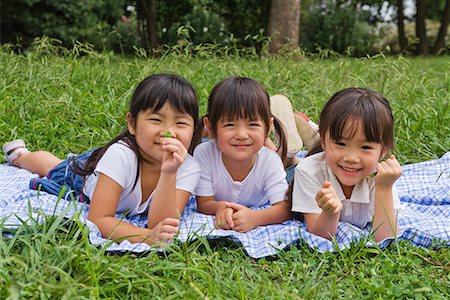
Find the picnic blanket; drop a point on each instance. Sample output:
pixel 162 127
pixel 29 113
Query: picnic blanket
pixel 424 218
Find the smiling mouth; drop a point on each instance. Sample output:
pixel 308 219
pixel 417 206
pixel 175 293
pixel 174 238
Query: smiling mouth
pixel 241 146
pixel 349 170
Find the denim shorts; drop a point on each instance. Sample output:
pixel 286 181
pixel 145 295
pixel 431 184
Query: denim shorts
pixel 290 173
pixel 62 176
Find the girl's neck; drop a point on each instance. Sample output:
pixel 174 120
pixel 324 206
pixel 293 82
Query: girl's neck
pixel 347 190
pixel 238 170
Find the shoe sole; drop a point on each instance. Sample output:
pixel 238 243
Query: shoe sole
pixel 281 108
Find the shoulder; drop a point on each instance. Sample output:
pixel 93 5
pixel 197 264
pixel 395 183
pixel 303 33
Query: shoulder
pixel 204 147
pixel 268 156
pixel 120 152
pixel 313 162
pixel 190 164
pixel 206 151
pixel 120 148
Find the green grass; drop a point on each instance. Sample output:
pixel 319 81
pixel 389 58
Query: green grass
pixel 71 104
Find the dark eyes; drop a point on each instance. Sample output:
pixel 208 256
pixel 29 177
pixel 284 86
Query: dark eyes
pixel 154 119
pixel 339 143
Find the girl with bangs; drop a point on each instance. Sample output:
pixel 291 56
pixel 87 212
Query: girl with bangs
pixel 242 182
pixel 147 169
pixel 349 174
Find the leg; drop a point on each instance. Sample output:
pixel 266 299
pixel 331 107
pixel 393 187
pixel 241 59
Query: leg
pixel 39 162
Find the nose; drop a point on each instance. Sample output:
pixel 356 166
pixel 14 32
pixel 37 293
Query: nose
pixel 351 156
pixel 241 132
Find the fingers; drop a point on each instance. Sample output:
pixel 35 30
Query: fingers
pixel 235 206
pixel 326 184
pixel 222 219
pixel 176 147
pixel 390 167
pixel 229 217
pixel 327 199
pixel 164 231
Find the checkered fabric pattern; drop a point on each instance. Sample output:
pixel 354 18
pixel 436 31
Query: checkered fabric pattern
pixel 424 218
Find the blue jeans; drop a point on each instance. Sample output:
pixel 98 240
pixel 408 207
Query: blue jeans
pixel 62 176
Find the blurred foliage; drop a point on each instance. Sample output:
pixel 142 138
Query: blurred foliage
pixel 337 26
pixel 328 27
pixel 65 20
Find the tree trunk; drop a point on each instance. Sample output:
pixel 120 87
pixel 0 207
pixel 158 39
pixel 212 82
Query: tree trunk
pixel 421 30
pixel 284 25
pixel 440 39
pixel 150 17
pixel 402 40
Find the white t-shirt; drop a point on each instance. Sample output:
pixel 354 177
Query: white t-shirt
pixel 265 183
pixel 120 164
pixel 310 174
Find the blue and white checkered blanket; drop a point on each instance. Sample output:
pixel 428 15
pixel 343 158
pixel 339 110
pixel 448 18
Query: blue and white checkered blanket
pixel 424 218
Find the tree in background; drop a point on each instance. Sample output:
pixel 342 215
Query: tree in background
pixel 402 40
pixel 439 44
pixel 284 25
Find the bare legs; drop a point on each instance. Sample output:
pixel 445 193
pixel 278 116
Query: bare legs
pixel 39 162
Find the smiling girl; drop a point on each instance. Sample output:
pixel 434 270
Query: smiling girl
pixel 334 183
pixel 239 174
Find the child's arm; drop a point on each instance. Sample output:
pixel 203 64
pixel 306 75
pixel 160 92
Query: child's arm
pixel 223 214
pixel 102 210
pixel 325 223
pixel 384 219
pixel 246 219
pixel 168 202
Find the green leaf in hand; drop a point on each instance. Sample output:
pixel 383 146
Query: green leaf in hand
pixel 167 134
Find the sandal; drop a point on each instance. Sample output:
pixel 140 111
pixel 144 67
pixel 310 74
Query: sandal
pixel 13 150
pixel 281 108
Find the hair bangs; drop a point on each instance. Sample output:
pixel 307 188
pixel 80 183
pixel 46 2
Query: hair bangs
pixel 346 108
pixel 157 90
pixel 238 98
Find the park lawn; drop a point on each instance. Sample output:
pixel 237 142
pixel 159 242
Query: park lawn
pixel 73 103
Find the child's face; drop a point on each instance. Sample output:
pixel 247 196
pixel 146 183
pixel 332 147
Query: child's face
pixel 149 127
pixel 239 140
pixel 352 158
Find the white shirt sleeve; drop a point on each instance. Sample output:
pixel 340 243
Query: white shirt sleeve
pixel 204 155
pixel 275 178
pixel 188 175
pixel 306 186
pixel 117 164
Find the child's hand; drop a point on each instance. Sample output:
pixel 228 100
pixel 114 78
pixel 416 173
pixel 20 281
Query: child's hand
pixel 328 200
pixel 162 232
pixel 388 172
pixel 174 154
pixel 244 218
pixel 224 218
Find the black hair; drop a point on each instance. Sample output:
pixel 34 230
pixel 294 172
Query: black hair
pixel 241 97
pixel 353 105
pixel 151 93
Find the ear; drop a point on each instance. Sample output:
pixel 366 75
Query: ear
pixel 208 126
pixel 384 152
pixel 270 126
pixel 131 123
